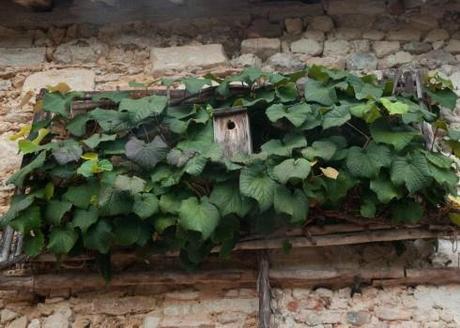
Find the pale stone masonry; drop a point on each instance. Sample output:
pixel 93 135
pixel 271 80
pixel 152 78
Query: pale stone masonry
pixel 366 36
pixel 186 57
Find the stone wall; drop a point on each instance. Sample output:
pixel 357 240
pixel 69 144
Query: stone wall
pixel 360 35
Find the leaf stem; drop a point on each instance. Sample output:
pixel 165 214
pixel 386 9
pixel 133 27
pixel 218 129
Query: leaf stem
pixel 368 138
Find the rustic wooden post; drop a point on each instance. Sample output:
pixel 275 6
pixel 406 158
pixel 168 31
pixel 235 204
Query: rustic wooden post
pixel 232 131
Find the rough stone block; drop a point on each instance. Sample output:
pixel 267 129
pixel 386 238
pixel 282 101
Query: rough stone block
pixel 436 58
pixel 293 25
pixel 285 62
pixel 392 313
pixel 453 47
pixel 22 57
pixel 404 35
pixel 314 35
pixel 345 33
pixel 321 23
pixel 360 45
pixel 77 79
pixel 437 35
pixel 362 61
pixel 366 7
pixel 373 35
pixel 417 48
pixel 247 60
pixel 384 48
pixel 397 59
pixel 5 85
pixel 18 323
pixel 260 28
pixel 337 62
pixel 336 48
pixel 79 51
pixel 308 47
pixel 262 47
pixel 7 315
pixel 178 58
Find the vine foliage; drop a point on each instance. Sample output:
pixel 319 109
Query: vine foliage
pixel 146 173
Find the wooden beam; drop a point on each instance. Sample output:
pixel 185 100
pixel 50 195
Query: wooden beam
pixel 280 277
pixel 332 235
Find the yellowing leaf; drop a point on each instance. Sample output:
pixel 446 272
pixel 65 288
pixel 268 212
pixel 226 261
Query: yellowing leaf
pixel 49 190
pixel 330 172
pixel 22 133
pixel 454 201
pixel 60 87
pixel 455 218
pixel 90 156
pixel 42 133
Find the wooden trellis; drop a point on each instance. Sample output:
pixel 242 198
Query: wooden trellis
pixel 232 130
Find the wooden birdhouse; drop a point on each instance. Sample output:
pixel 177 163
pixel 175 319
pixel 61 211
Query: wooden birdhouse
pixel 232 131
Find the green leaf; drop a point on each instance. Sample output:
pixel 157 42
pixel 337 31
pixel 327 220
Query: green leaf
pixel 146 155
pixel 255 183
pixel 77 126
pixel 145 205
pixel 84 219
pixel 57 103
pixel 55 210
pixel 132 184
pixel 112 202
pixel 94 141
pixel 62 240
pixel 194 85
pixel 399 138
pixel 92 167
pixel 366 163
pixel 34 244
pixel 164 222
pixel 411 171
pixel 369 111
pixel 337 116
pixel 446 177
pixel 294 204
pixel 296 114
pixel 18 204
pixel 407 211
pixel 394 108
pixel 27 220
pixel 111 120
pixel 169 204
pixel 139 109
pixel 99 237
pixel 439 160
pixel 287 92
pixel 292 168
pixel 199 215
pixel 384 189
pixel 284 148
pixel 81 195
pixel 129 231
pixel 368 208
pixel 320 149
pixel 67 151
pixel 227 198
pixel 18 178
pixel 315 91
pixel 445 97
